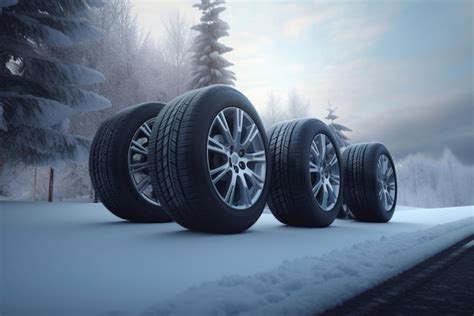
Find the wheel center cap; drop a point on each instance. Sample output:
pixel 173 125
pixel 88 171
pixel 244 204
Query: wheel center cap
pixel 235 158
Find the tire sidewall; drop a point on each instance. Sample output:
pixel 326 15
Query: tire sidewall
pixel 130 121
pixel 302 178
pixel 211 101
pixel 378 150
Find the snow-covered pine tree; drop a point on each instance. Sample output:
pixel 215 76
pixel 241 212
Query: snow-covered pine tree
pixel 208 65
pixel 337 129
pixel 39 92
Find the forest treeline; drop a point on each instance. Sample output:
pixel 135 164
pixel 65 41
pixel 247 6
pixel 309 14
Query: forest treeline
pixel 137 67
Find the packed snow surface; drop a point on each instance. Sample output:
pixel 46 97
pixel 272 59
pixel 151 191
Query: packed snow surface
pixel 77 258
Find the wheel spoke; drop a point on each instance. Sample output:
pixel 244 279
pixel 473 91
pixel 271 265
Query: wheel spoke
pixel 324 203
pixel 255 178
pixel 391 186
pixel 335 179
pixel 385 165
pixel 142 185
pixel 244 190
pixel 138 148
pixel 216 146
pixel 137 167
pixel 313 168
pixel 322 149
pixel 229 196
pixel 250 137
pixel 389 173
pixel 238 124
pixel 258 156
pixel 314 149
pixel 146 129
pixel 220 171
pixel 379 169
pixel 221 119
pixel 331 194
pixel 317 188
pixel 390 199
pixel 333 160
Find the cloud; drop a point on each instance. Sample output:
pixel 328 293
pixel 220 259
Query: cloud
pixel 429 127
pixel 297 25
pixel 304 16
pixel 387 61
pixel 151 12
pixel 411 104
pixel 296 67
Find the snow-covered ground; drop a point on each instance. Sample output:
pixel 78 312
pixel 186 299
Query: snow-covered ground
pixel 76 258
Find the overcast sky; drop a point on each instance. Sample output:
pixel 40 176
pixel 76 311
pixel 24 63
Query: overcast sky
pixel 400 72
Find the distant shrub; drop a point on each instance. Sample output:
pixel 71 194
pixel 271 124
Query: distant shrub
pixel 422 182
pixel 428 182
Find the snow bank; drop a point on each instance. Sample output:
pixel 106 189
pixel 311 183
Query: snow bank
pixel 313 284
pixel 78 259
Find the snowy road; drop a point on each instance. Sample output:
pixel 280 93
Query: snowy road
pixel 62 258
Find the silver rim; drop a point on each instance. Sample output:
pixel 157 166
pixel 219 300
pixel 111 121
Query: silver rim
pixel 138 160
pixel 386 182
pixel 236 158
pixel 324 172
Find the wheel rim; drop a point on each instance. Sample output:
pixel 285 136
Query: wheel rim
pixel 236 158
pixel 386 182
pixel 138 160
pixel 324 171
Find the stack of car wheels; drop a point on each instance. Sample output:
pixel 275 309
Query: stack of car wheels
pixel 205 161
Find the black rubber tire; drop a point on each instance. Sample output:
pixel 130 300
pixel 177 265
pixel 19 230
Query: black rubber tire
pixel 178 162
pixel 360 190
pixel 108 166
pixel 291 199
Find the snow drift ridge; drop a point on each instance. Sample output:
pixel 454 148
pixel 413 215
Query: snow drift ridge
pixel 313 284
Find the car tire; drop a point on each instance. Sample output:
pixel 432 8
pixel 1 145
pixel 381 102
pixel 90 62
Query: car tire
pixel 193 136
pixel 370 191
pixel 118 169
pixel 306 188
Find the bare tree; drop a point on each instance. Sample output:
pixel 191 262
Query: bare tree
pixel 177 45
pixel 297 106
pixel 273 111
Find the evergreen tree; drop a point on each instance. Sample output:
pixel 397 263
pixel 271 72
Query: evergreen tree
pixel 38 90
pixel 337 129
pixel 209 67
